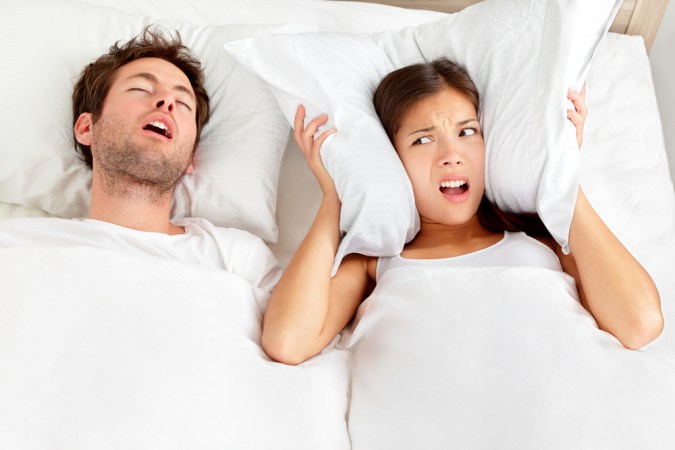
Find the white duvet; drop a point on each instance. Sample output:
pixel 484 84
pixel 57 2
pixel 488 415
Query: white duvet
pixel 100 350
pixel 499 358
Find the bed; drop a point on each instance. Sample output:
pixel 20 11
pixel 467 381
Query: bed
pixel 134 367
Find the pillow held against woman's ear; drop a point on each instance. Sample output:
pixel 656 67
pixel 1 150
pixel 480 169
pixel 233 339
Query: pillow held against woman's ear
pixel 523 55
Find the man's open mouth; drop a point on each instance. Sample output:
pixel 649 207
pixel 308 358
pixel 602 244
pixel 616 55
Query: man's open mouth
pixel 159 128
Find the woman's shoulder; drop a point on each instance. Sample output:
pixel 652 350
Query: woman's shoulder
pixel 549 242
pixel 528 250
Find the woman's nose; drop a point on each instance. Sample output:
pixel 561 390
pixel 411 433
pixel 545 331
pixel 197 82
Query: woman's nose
pixel 450 156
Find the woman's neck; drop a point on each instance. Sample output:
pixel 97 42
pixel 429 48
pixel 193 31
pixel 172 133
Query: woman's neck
pixel 436 240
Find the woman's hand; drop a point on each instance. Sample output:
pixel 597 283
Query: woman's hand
pixel 578 115
pixel 311 147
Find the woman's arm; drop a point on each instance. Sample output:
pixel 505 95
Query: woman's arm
pixel 612 284
pixel 308 308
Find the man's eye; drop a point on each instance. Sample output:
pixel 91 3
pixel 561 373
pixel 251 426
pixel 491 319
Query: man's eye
pixel 139 90
pixel 469 131
pixel 422 140
pixel 186 105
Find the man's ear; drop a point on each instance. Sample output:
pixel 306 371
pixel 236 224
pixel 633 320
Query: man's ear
pixel 190 168
pixel 82 129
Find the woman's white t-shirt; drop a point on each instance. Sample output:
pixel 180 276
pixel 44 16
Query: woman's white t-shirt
pixel 515 249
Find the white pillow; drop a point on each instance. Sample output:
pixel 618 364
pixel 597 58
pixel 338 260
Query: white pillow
pixel 46 46
pixel 333 16
pixel 522 55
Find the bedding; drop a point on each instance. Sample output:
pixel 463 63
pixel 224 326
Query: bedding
pixel 522 55
pixel 240 151
pixel 103 349
pixel 517 363
pixel 167 354
pixel 340 16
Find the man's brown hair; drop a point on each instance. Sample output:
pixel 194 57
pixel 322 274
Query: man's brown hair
pixel 94 83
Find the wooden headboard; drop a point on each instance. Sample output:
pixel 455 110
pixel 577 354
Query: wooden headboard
pixel 636 17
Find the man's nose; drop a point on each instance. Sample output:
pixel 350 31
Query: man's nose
pixel 166 103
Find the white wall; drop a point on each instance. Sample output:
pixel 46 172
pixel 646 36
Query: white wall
pixel 662 58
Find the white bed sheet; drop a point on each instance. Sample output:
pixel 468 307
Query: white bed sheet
pixel 516 364
pixel 102 350
pixel 125 393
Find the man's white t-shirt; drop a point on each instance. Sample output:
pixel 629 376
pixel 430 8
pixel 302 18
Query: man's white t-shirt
pixel 236 251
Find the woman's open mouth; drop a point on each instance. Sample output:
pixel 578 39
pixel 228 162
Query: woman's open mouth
pixel 455 190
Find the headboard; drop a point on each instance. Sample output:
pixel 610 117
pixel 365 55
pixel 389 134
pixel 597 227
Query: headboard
pixel 635 17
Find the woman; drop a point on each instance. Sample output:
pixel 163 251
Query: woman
pixel 430 113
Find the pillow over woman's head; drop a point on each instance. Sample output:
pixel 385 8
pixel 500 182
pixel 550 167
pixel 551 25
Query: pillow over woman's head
pixel 239 155
pixel 522 55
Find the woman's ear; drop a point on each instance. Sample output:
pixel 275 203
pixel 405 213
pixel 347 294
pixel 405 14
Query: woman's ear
pixel 82 129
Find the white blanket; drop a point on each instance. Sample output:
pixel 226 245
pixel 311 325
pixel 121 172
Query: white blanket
pixel 499 358
pixel 100 350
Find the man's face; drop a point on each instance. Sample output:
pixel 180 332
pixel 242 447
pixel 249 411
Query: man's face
pixel 147 129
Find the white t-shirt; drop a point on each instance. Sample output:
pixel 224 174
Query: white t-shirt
pixel 230 249
pixel 513 250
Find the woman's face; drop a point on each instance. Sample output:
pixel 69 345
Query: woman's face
pixel 441 146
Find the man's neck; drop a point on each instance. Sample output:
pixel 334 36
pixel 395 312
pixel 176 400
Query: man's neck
pixel 132 209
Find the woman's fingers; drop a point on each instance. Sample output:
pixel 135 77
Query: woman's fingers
pixel 313 126
pixel 298 125
pixel 576 118
pixel 311 147
pixel 314 157
pixel 319 141
pixel 578 100
pixel 578 115
pixel 304 135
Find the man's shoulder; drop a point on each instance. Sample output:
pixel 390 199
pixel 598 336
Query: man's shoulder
pixel 242 252
pixel 35 230
pixel 22 224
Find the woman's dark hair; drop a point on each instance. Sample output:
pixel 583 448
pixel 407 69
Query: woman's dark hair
pixel 403 88
pixel 94 83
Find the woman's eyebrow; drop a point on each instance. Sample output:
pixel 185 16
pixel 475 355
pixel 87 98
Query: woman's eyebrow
pixel 153 79
pixel 433 127
pixel 464 122
pixel 424 130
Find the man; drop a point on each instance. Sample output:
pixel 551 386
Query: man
pixel 138 113
pixel 127 329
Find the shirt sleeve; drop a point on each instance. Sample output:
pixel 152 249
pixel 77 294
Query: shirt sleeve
pixel 245 255
pixel 262 269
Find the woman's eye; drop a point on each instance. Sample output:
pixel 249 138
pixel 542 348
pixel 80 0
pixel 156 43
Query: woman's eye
pixel 140 90
pixel 468 131
pixel 422 140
